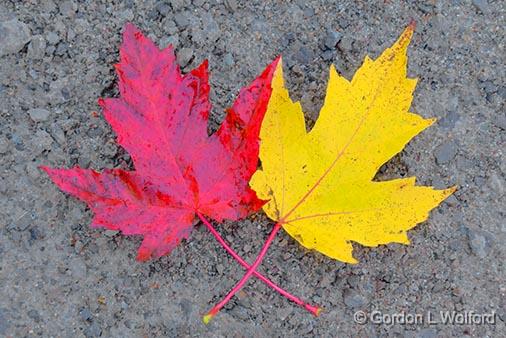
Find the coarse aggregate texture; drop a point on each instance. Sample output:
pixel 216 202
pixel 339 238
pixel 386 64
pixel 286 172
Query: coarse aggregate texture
pixel 60 278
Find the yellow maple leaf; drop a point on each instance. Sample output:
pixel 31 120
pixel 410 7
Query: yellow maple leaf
pixel 320 183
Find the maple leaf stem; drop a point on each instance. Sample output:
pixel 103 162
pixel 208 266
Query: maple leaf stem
pixel 313 309
pixel 244 278
pixel 251 270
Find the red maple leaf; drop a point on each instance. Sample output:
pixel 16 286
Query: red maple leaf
pixel 161 119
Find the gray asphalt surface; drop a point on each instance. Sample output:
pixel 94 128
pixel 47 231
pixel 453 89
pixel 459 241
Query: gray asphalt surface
pixel 59 278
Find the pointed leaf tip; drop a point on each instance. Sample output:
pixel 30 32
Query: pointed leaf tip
pixel 412 24
pixel 129 27
pixel 406 36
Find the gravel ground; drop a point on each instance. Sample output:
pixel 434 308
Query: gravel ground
pixel 60 278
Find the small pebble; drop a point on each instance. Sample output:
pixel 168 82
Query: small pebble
pixel 184 57
pixel 496 182
pixel 345 44
pixel 39 114
pixel 304 55
pixel 111 233
pixel 500 121
pixel 34 314
pixel 482 6
pixel 52 38
pixel 332 39
pixel 449 120
pixel 284 312
pixel 478 243
pixel 163 9
pixel 4 145
pixel 93 331
pixel 85 314
pixel 14 35
pixel 37 47
pixel 231 5
pixel 445 152
pixel 228 60
pixel 328 55
pixel 181 20
pixel 67 8
pixel 352 299
pixel 42 140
